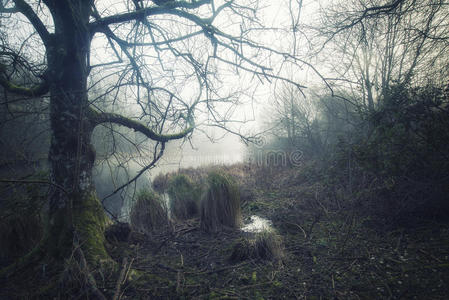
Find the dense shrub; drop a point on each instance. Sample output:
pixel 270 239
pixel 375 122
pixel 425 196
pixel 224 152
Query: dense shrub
pixel 220 206
pixel 406 151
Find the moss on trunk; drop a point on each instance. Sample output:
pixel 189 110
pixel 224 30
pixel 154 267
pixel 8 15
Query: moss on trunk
pixel 84 224
pixel 90 222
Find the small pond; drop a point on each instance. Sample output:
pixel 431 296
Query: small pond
pixel 257 224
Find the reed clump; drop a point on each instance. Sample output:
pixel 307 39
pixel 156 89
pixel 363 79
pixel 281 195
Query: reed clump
pixel 220 205
pixel 148 213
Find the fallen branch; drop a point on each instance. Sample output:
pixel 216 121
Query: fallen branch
pixel 121 278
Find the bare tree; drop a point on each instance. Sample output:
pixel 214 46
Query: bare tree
pixel 377 44
pixel 158 66
pixel 292 117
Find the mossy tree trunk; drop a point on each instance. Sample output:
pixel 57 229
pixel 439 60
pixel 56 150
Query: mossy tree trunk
pixel 74 208
pixel 75 213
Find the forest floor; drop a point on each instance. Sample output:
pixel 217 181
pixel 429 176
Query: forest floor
pixel 332 249
pixel 328 254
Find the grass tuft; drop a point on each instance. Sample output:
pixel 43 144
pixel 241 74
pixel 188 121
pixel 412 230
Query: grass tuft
pixel 220 206
pixel 148 212
pixel 184 197
pixel 266 245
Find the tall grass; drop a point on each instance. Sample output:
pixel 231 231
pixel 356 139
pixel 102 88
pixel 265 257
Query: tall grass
pixel 220 206
pixel 184 197
pixel 148 213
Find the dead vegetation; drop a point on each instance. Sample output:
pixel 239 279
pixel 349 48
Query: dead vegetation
pixel 148 213
pixel 265 245
pixel 220 206
pixel 321 247
pixel 160 183
pixel 185 196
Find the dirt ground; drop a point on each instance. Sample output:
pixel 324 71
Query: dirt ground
pixel 330 251
pixel 328 254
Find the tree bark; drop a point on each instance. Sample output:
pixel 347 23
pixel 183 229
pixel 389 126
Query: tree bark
pixel 75 212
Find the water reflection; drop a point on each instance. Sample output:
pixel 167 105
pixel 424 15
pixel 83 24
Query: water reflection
pixel 257 224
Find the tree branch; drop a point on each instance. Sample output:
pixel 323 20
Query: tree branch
pixel 183 4
pixel 98 25
pixel 36 91
pixel 103 117
pixel 369 12
pixel 156 157
pixel 28 12
pixel 35 182
pixel 7 10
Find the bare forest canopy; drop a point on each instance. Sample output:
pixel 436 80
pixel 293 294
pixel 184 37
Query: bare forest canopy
pixel 186 117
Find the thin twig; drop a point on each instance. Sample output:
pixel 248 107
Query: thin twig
pixel 120 279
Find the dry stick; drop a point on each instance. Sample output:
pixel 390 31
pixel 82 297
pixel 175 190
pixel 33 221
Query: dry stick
pixel 254 285
pixel 398 244
pixel 179 276
pixel 90 278
pixel 316 220
pixel 128 270
pixel 120 279
pixel 219 270
pixel 126 275
pixel 430 255
pixel 297 225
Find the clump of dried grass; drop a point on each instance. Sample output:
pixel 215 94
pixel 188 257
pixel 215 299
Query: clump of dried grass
pixel 220 206
pixel 160 183
pixel 184 197
pixel 265 245
pixel 268 245
pixel 148 213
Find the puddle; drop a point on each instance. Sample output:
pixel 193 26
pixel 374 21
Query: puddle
pixel 166 202
pixel 257 224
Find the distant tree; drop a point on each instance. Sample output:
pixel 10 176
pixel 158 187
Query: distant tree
pixel 311 121
pixel 293 117
pixel 150 66
pixel 370 46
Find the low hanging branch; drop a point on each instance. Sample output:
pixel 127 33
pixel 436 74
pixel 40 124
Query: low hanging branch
pixel 101 117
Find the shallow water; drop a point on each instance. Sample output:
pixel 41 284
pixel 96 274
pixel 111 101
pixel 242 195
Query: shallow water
pixel 257 224
pixel 166 202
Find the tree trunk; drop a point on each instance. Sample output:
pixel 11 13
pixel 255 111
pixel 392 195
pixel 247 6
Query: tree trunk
pixel 74 210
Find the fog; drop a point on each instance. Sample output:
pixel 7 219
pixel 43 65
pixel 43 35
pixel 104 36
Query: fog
pixel 201 151
pixel 215 148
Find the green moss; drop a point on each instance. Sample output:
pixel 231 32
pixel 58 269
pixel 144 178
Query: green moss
pixel 90 222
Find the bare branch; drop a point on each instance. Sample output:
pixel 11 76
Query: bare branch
pixel 152 164
pixel 28 12
pixel 99 24
pixel 35 91
pixel 7 10
pixel 103 117
pixel 35 182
